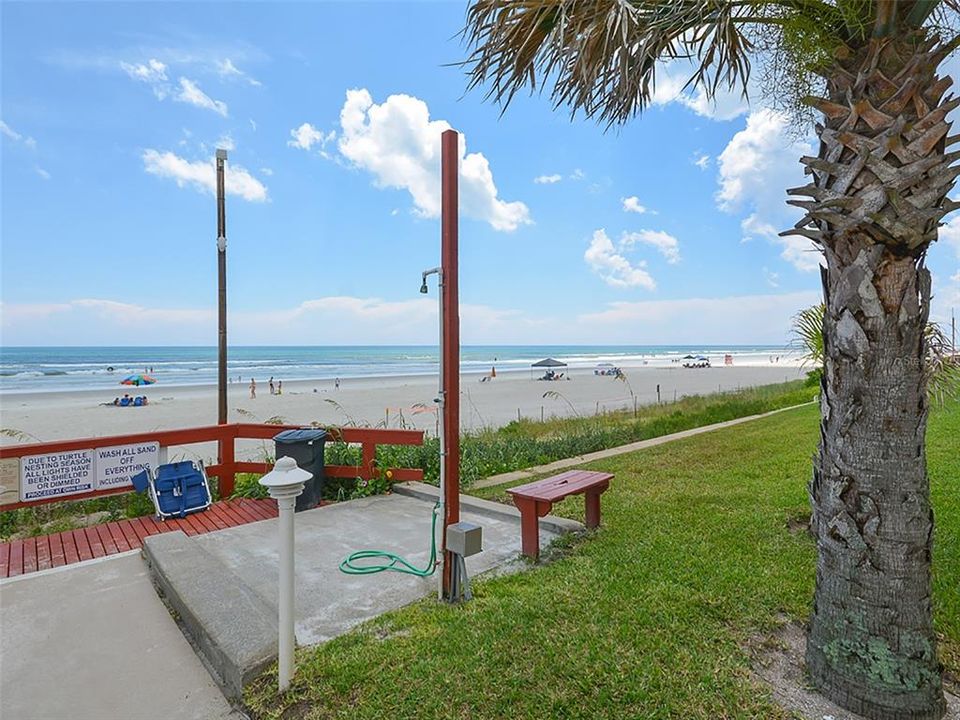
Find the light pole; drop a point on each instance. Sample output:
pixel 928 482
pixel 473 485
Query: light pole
pixel 222 290
pixel 284 483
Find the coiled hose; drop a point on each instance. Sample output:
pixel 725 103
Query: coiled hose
pixel 392 561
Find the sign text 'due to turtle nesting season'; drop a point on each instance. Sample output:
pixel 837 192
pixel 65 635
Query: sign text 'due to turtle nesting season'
pixel 54 474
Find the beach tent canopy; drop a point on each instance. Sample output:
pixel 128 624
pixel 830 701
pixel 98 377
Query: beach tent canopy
pixel 548 363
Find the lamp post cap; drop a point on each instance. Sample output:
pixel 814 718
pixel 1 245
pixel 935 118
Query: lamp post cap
pixel 221 154
pixel 285 479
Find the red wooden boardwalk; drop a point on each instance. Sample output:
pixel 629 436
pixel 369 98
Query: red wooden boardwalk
pixel 20 557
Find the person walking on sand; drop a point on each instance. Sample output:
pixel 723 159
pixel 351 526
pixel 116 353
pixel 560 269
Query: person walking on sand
pixel 271 386
pixel 279 387
pixel 253 388
pixel 336 384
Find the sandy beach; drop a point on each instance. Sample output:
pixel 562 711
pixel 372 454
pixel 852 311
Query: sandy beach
pixel 394 401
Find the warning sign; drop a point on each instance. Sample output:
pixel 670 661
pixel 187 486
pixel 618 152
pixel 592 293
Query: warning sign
pixel 117 464
pixel 56 474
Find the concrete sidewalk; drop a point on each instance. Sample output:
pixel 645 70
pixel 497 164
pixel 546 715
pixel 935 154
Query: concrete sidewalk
pixel 94 642
pixel 534 472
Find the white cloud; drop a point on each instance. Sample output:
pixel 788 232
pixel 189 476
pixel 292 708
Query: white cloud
pixel 701 160
pixel 741 319
pixel 398 143
pixel 547 179
pixel 612 267
pixel 671 77
pixel 201 175
pixel 17 137
pixel 266 171
pixel 946 299
pixel 41 172
pixel 335 319
pixel 306 136
pixel 253 124
pixel 226 69
pixel 577 174
pixel 191 94
pixel 153 73
pixel 371 320
pixel 226 142
pixel 950 233
pixel 771 278
pixel 632 204
pixel 757 166
pixel 665 244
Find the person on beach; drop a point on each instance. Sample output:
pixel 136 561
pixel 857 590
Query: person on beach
pixel 253 388
pixel 272 392
pixel 279 387
pixel 336 384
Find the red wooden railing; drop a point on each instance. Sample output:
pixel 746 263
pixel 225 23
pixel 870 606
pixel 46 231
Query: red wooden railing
pixel 226 469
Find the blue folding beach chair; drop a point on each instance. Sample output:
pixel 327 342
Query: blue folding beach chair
pixel 176 489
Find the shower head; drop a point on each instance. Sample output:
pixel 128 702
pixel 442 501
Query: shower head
pixel 431 271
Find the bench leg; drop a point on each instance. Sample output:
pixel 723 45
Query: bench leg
pixel 529 527
pixel 593 509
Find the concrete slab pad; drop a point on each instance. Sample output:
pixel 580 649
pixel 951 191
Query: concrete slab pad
pixel 224 584
pixel 93 642
pixel 329 602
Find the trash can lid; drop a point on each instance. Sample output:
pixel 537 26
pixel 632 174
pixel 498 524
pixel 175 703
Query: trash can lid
pixel 300 436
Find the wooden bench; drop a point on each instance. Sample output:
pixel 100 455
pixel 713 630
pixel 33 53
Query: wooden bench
pixel 534 500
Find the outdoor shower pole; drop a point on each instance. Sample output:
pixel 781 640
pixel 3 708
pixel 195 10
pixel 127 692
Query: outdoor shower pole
pixel 449 217
pixel 222 291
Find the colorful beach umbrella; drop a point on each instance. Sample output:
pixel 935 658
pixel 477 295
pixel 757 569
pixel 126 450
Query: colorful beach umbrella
pixel 138 380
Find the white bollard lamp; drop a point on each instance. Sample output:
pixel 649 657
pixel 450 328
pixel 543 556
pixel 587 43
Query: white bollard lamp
pixel 284 483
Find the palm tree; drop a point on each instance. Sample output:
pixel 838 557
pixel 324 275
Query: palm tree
pixel 868 70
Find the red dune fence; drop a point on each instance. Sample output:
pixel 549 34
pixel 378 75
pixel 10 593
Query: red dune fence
pixel 38 473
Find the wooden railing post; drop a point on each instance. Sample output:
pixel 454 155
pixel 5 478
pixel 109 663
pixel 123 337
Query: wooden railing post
pixel 369 460
pixel 228 472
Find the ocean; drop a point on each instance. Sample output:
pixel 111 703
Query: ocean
pixel 54 369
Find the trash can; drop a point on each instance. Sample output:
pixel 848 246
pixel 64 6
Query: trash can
pixel 306 448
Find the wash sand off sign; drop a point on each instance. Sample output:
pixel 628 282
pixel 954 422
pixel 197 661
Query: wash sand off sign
pixel 80 471
pixel 116 465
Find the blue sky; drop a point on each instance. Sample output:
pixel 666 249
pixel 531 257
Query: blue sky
pixel 663 231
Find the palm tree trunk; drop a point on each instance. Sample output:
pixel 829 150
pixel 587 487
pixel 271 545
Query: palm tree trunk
pixel 871 645
pixel 878 194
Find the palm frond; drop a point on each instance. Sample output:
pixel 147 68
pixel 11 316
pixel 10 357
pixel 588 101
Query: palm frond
pixel 807 331
pixel 603 54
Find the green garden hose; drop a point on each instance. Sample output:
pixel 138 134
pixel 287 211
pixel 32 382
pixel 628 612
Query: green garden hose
pixel 393 562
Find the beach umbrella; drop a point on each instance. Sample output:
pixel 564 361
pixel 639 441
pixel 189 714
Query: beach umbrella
pixel 138 380
pixel 549 363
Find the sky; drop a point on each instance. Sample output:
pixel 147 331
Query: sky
pixel 663 231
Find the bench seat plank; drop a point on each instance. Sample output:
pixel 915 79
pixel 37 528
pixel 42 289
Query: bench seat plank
pixel 560 486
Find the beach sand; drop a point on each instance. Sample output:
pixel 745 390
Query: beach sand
pixel 396 401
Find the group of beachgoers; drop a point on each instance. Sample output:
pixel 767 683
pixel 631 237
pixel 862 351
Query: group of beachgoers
pixel 128 401
pixel 275 389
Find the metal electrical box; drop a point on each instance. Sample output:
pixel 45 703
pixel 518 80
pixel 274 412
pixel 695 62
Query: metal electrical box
pixel 464 539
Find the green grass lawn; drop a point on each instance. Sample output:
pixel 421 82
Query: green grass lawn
pixel 645 618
